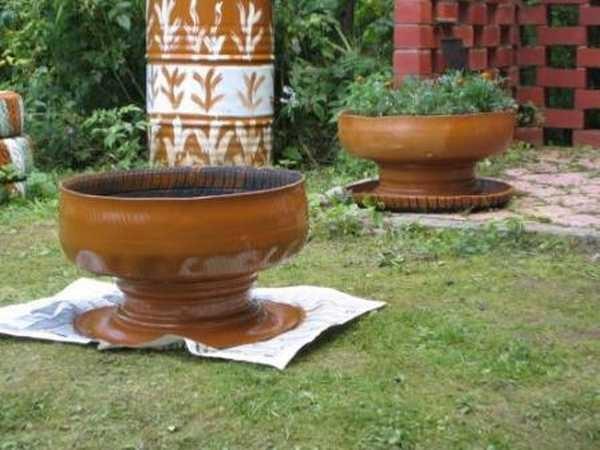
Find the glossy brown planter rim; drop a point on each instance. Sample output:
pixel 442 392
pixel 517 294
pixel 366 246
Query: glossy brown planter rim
pixel 426 116
pixel 67 185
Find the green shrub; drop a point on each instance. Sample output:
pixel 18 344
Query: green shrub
pixel 315 62
pixel 452 93
pixel 70 58
pixel 562 56
pixel 105 138
pixel 8 175
pixel 529 115
pixel 42 186
pixel 342 219
pixel 119 133
pixel 563 15
pixel 87 51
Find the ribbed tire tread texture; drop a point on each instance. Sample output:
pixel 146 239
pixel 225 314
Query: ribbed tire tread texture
pixel 495 194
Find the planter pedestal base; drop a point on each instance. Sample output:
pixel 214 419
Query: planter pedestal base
pixel 218 313
pixel 483 193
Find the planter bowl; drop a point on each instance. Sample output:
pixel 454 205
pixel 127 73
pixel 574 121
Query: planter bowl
pixel 428 162
pixel 185 245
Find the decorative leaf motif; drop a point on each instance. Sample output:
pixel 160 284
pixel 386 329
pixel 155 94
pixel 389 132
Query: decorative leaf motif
pixel 246 41
pixel 253 84
pixel 208 85
pixel 163 12
pixel 262 156
pixel 213 144
pixel 174 79
pixel 149 23
pixel 190 158
pixel 250 136
pixel 195 35
pixel 192 155
pixel 213 41
pixel 176 146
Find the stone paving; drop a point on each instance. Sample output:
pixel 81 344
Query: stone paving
pixel 561 190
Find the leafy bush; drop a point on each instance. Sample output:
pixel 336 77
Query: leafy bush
pixel 42 186
pixel 563 15
pixel 86 51
pixel 316 60
pixel 70 58
pixel 8 175
pixel 452 93
pixel 105 138
pixel 529 115
pixel 343 219
pixel 119 132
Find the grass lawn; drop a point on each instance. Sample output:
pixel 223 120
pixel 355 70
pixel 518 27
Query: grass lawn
pixel 491 340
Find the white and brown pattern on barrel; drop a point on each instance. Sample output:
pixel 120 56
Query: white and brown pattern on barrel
pixel 250 33
pixel 207 90
pixel 228 142
pixel 17 151
pixel 215 30
pixel 11 114
pixel 4 153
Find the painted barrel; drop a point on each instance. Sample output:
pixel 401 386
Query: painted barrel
pixel 17 151
pixel 11 114
pixel 210 82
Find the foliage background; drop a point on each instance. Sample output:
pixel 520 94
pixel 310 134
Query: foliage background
pixel 80 65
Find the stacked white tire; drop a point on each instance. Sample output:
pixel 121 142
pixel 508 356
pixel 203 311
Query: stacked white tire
pixel 15 147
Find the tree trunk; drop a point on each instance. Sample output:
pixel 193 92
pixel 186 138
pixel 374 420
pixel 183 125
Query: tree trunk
pixel 347 17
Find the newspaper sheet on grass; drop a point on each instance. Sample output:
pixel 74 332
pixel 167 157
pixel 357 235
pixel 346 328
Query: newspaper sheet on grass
pixel 51 319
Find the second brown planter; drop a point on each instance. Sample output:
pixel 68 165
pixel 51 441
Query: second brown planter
pixel 427 163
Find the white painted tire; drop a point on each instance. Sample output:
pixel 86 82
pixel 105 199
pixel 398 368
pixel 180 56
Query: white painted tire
pixel 12 114
pixel 18 152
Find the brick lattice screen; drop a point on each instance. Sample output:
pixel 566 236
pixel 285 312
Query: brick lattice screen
pixel 550 53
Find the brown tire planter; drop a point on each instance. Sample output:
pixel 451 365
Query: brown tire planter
pixel 427 163
pixel 185 245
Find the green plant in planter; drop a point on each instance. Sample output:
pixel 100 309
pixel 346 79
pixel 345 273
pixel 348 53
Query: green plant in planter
pixel 529 115
pixel 450 94
pixel 8 176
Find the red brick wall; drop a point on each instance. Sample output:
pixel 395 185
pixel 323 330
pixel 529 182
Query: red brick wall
pixel 491 31
pixel 487 28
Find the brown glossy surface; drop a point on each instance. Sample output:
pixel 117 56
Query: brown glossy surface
pixel 427 156
pixel 186 245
